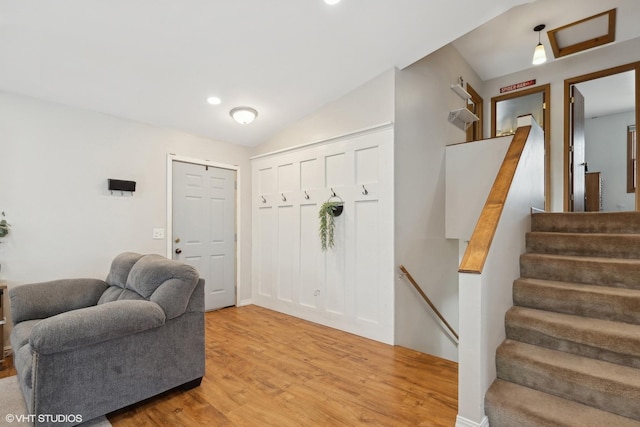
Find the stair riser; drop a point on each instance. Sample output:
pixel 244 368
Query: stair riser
pixel 510 405
pixel 605 272
pixel 535 337
pixel 600 222
pixel 617 308
pixel 601 393
pixel 590 245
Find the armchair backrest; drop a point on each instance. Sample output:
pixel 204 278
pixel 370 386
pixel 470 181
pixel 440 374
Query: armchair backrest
pixel 155 278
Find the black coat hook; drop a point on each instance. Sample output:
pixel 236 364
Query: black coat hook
pixel 284 199
pixel 364 190
pixel 306 196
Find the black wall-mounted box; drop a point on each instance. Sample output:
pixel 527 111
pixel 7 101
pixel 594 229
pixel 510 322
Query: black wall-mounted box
pixel 120 185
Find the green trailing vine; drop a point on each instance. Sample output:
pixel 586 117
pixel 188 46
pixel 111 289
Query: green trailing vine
pixel 4 226
pixel 327 223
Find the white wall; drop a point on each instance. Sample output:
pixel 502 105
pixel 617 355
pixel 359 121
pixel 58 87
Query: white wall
pixel 368 105
pixel 55 164
pixel 555 73
pixel 606 152
pixel 423 101
pixel 471 170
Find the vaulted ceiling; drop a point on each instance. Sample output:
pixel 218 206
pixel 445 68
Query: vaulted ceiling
pixel 156 61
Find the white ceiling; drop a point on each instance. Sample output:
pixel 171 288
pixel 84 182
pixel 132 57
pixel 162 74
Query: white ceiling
pixel 156 61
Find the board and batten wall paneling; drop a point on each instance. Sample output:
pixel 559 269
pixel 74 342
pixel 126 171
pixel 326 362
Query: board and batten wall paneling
pixel 349 287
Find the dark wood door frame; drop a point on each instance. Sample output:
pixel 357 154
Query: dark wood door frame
pixel 475 132
pixel 546 127
pixel 634 66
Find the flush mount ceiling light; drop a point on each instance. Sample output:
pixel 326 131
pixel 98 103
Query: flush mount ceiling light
pixel 332 1
pixel 214 100
pixel 539 55
pixel 243 115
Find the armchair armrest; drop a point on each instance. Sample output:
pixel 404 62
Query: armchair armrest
pixel 92 325
pixel 42 300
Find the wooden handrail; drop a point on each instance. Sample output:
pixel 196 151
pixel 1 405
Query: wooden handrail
pixel 480 243
pixel 426 298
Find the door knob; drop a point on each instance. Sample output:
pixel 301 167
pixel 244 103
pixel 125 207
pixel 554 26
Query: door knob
pixel 178 251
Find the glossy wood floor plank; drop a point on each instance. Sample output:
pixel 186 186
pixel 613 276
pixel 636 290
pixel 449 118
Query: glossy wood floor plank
pixel 268 369
pixel 6 368
pixel 265 368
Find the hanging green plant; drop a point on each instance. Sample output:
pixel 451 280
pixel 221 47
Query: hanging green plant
pixel 4 226
pixel 327 214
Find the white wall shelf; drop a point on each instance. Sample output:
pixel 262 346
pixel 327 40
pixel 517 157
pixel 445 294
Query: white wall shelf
pixel 462 118
pixel 459 90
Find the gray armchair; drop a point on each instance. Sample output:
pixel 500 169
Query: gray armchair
pixel 89 347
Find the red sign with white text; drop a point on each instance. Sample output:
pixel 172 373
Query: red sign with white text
pixel 517 86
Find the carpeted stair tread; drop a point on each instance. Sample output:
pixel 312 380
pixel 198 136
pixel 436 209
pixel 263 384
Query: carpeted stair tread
pixel 614 342
pixel 587 222
pixel 572 352
pixel 584 244
pixel 602 302
pixel 616 272
pixel 511 405
pixel 607 386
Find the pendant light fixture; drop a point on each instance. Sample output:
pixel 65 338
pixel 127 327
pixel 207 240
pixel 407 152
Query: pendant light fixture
pixel 539 55
pixel 243 115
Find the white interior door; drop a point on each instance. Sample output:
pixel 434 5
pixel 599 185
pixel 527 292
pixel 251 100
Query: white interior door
pixel 204 228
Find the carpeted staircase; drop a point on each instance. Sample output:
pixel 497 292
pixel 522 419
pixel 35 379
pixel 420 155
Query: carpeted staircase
pixel 572 353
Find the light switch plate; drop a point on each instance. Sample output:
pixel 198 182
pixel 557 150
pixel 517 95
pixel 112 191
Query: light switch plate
pixel 158 233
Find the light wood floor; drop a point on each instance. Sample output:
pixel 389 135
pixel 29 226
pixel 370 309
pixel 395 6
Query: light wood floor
pixel 268 369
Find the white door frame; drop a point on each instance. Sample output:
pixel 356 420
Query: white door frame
pixel 169 253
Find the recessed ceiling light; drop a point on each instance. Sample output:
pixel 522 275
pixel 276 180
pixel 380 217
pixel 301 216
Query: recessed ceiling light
pixel 332 1
pixel 214 100
pixel 243 115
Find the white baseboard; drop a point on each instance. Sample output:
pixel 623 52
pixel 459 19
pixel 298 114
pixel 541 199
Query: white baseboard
pixel 244 302
pixel 463 422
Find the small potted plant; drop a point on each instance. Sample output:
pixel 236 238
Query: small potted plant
pixel 328 211
pixel 4 226
pixel 4 229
